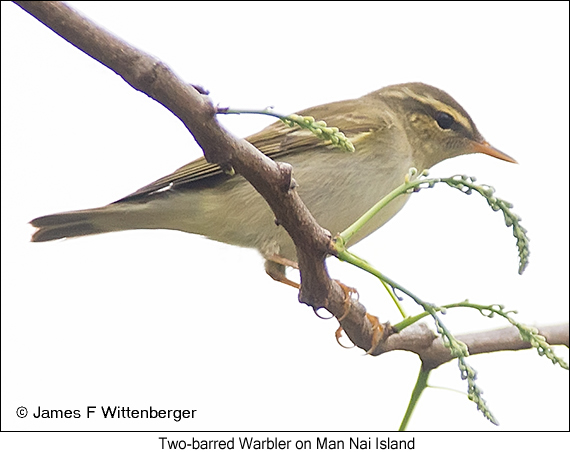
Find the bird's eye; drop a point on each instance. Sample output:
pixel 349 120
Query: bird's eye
pixel 444 120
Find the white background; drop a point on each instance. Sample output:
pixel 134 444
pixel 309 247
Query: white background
pixel 172 320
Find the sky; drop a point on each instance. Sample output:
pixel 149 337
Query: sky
pixel 175 321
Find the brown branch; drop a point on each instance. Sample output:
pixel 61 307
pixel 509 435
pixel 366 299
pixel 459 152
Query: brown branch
pixel 419 339
pixel 271 179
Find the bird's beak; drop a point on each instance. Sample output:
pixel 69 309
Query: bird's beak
pixel 486 148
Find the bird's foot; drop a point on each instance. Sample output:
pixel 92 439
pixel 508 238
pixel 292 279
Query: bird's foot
pixel 275 267
pixel 377 332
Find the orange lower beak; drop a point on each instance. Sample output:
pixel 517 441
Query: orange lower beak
pixel 486 148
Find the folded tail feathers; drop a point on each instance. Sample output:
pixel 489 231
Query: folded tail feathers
pixel 63 225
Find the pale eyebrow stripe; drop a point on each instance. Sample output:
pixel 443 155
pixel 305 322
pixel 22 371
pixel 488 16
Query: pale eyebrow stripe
pixel 440 106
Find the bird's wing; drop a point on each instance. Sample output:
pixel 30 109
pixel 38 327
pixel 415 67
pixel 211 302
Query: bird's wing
pixel 276 141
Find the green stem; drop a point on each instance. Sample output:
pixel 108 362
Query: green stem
pixel 230 111
pixel 347 256
pixel 332 135
pixel 421 384
pixel 347 234
pixel 413 319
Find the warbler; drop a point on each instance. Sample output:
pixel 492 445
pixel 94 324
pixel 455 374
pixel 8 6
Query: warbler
pixel 392 129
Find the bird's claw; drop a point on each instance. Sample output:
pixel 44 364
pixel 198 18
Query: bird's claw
pixel 377 332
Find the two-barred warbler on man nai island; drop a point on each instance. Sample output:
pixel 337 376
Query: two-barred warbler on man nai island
pixel 392 130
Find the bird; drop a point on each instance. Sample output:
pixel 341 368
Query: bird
pixel 392 129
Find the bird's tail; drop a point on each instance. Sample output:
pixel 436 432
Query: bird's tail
pixel 83 222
